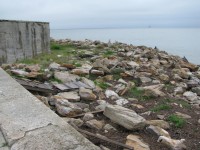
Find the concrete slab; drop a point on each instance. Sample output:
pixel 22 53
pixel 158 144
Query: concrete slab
pixel 22 115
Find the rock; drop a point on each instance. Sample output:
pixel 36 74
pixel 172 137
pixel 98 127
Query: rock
pixel 155 89
pixel 188 65
pixel 124 117
pixel 102 105
pixel 121 102
pixel 199 121
pixel 137 106
pixel 88 116
pixel 68 66
pixel 122 81
pixel 87 94
pixel 196 90
pixel 190 96
pixel 19 72
pixel 108 77
pixel 133 64
pixel 136 142
pixel 32 68
pixel 179 90
pixel 71 96
pixel 110 93
pixel 102 64
pixel 103 147
pixel 164 77
pixel 54 66
pixel 108 127
pixel 161 117
pixel 65 108
pixel 157 131
pixel 94 124
pixel 185 116
pixel 171 143
pixel 145 79
pixel 193 83
pixel 66 76
pixel 77 122
pixel 88 82
pixel 97 72
pixel 160 123
pixel 80 71
pixel 181 72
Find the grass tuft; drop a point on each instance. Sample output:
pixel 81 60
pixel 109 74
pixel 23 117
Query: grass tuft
pixel 177 121
pixel 161 107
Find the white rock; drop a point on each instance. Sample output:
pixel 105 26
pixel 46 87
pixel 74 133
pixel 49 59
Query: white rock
pixel 66 76
pixel 145 79
pixel 171 143
pixel 157 131
pixel 88 116
pixel 121 101
pixel 87 94
pixel 124 117
pixel 133 64
pixel 88 82
pixel 71 96
pixel 54 66
pixel 190 96
pixel 110 93
pixel 94 124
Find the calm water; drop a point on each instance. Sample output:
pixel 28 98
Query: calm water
pixel 176 41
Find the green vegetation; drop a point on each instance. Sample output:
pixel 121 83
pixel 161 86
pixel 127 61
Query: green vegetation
pixel 161 107
pixel 116 73
pixel 102 85
pixel 59 54
pixel 55 80
pixel 142 95
pixel 183 103
pixel 177 121
pixel 108 53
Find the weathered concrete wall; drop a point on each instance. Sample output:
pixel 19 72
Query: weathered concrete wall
pixel 20 39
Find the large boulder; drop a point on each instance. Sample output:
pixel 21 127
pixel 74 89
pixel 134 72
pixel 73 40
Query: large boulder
pixel 127 118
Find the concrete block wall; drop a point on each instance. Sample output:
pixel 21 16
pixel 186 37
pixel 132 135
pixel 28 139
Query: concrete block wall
pixel 23 39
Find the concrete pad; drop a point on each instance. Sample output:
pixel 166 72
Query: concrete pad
pixel 21 113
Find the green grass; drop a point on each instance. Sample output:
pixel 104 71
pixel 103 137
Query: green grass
pixel 108 53
pixel 139 94
pixel 116 73
pixel 102 85
pixel 161 107
pixel 53 79
pixel 66 51
pixel 177 121
pixel 180 102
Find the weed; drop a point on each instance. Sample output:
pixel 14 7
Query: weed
pixel 53 79
pixel 161 107
pixel 102 85
pixel 116 73
pixel 177 121
pixel 108 53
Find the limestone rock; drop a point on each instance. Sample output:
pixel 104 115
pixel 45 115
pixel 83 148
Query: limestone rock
pixel 77 122
pixel 88 116
pixel 80 71
pixel 110 93
pixel 124 117
pixel 109 127
pixel 145 79
pixel 155 89
pixel 32 68
pixel 66 76
pixel 121 101
pixel 196 90
pixel 54 66
pixel 71 96
pixel 97 72
pixel 88 82
pixel 95 124
pixel 87 94
pixel 185 116
pixel 136 142
pixel 190 96
pixel 157 131
pixel 65 108
pixel 164 77
pixel 19 72
pixel 171 143
pixel 160 123
pixel 133 64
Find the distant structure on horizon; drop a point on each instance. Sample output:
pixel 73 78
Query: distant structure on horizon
pixel 23 39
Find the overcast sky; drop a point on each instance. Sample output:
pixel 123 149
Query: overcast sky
pixel 65 14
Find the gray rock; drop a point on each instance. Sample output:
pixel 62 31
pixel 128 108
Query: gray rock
pixel 94 124
pixel 71 96
pixel 110 93
pixel 133 64
pixel 65 108
pixel 77 122
pixel 121 101
pixel 190 96
pixel 196 90
pixel 124 117
pixel 185 116
pixel 88 116
pixel 87 94
pixel 108 127
pixel 164 77
pixel 160 123
pixel 179 90
pixel 102 105
pixel 66 76
pixel 145 79
pixel 54 66
pixel 88 82
pixel 19 72
pixel 157 131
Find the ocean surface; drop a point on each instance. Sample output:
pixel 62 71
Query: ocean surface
pixel 176 41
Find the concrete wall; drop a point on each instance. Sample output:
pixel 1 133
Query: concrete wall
pixel 20 39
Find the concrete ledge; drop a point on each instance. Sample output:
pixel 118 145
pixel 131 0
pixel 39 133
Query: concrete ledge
pixel 27 123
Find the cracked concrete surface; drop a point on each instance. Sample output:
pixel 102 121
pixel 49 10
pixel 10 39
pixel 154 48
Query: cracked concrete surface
pixel 27 123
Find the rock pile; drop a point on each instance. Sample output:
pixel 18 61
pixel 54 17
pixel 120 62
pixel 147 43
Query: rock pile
pixel 117 78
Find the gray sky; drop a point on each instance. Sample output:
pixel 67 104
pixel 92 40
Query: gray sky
pixel 63 14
